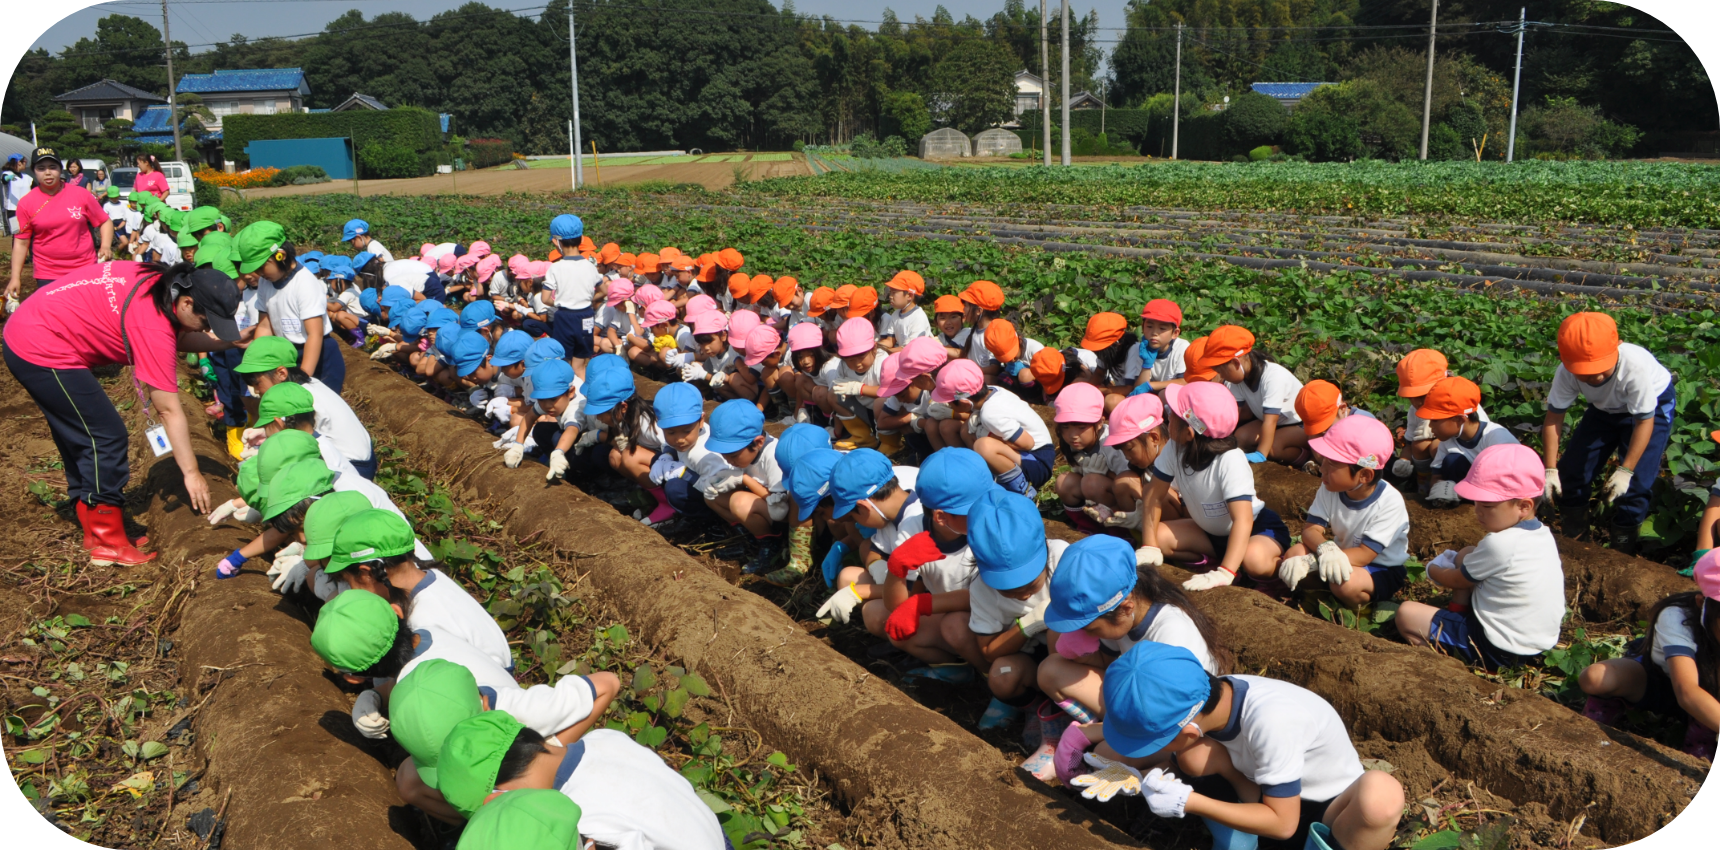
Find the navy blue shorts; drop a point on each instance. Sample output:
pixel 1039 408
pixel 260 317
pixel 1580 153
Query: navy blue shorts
pixel 1267 522
pixel 684 496
pixel 1387 580
pixel 572 328
pixel 366 468
pixel 1463 635
pixel 1036 464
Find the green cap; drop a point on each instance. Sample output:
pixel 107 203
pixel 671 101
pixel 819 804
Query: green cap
pixel 325 518
pixel 186 240
pixel 296 483
pixel 472 756
pixel 354 630
pixel 426 705
pixel 266 354
pixel 113 191
pixel 248 481
pixel 216 251
pixel 281 451
pixel 284 399
pixel 175 219
pixel 136 197
pixel 369 536
pixel 201 218
pixel 226 223
pixel 257 243
pixel 534 818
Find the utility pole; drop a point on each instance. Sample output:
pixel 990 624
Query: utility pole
pixel 1176 104
pixel 1427 94
pixel 172 99
pixel 573 66
pixel 1045 81
pixel 1063 83
pixel 1516 82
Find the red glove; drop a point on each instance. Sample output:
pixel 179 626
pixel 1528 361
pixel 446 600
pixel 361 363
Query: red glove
pixel 917 552
pixel 905 620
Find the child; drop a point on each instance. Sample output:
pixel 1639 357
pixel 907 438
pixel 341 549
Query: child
pixel 952 332
pixel 710 356
pixel 906 322
pixel 748 491
pixel 681 416
pixel 291 301
pixel 272 360
pixel 635 441
pixel 1705 526
pixel 1676 677
pixel 1508 591
pixel 796 442
pixel 863 304
pixel 758 381
pixel 891 510
pixel 357 231
pixel 1000 426
pixel 1631 404
pixel 1281 746
pixel 1093 464
pixel 1266 388
pixel 905 383
pixel 1104 352
pixel 614 321
pixel 1356 521
pixel 855 378
pixel 1158 358
pixel 555 397
pixel 982 302
pixel 575 281
pixel 806 358
pixel 1136 430
pixel 790 300
pixel 1215 483
pixel 1005 624
pixel 1320 405
pixel 1450 410
pixel 1417 372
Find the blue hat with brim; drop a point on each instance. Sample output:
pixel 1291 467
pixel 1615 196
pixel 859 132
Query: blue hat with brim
pixel 412 322
pixel 362 259
pixel 808 479
pixel 551 379
pixel 677 405
pixel 860 473
pixel 392 295
pixel 734 424
pixel 447 342
pixel 952 479
pixel 1007 537
pixel 477 314
pixel 1150 694
pixel 608 382
pixel 312 266
pixel 470 349
pixel 798 439
pixel 356 227
pixel 441 317
pixel 1094 576
pixel 511 348
pixel 369 302
pixel 542 351
pixel 310 256
pixel 566 226
pixel 339 267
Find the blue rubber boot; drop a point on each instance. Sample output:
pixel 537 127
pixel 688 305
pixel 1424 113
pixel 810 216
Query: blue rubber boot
pixel 998 715
pixel 1225 838
pixel 1320 838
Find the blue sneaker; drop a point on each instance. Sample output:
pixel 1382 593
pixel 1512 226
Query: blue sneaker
pixel 1015 481
pixel 960 673
pixel 998 715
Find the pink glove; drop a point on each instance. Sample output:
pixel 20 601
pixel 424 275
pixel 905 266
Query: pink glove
pixel 1073 645
pixel 1067 761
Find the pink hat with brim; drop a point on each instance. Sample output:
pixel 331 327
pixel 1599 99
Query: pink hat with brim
pixel 855 337
pixel 959 379
pixel 487 267
pixel 447 263
pixel 919 357
pixel 1707 573
pixel 699 304
pixel 1208 408
pixel 1079 402
pixel 479 249
pixel 647 295
pixel 619 291
pixel 1358 440
pixel 1502 473
pixel 761 343
pixel 519 265
pixel 805 335
pixel 710 322
pixel 741 324
pixel 538 269
pixel 1132 417
pixel 658 313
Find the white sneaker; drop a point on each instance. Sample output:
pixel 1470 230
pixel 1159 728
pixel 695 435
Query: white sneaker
pixel 802 415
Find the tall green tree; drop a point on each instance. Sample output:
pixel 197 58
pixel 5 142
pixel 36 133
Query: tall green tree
pixel 974 87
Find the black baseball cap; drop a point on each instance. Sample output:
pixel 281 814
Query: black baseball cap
pixel 216 296
pixel 40 154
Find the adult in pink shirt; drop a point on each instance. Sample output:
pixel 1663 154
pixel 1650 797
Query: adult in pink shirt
pixel 67 328
pixel 54 222
pixel 149 177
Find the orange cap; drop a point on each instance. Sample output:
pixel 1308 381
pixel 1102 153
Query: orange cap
pixel 1225 343
pixel 707 264
pixel 589 254
pixel 1418 371
pixel 863 302
pixel 730 259
pixel 908 281
pixel 947 304
pixel 820 301
pixel 681 263
pixel 608 252
pixel 1588 343
pixel 1047 368
pixel 1191 356
pixel 844 295
pixel 1002 342
pixel 554 255
pixel 984 294
pixel 666 253
pixel 739 283
pixel 647 263
pixel 1163 310
pixel 585 244
pixel 1103 330
pixel 761 283
pixel 1714 435
pixel 1449 398
pixel 783 290
pixel 626 260
pixel 1317 405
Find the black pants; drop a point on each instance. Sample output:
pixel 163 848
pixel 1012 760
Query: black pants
pixel 229 386
pixel 90 434
pixel 331 366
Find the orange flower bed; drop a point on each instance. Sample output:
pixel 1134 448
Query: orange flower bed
pixel 243 180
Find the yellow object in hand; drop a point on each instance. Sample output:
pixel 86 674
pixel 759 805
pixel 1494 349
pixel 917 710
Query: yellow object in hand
pixel 663 343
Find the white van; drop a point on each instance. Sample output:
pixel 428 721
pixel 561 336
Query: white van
pixel 179 185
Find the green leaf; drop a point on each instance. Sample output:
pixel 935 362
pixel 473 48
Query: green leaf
pixel 130 748
pixel 643 678
pixel 77 620
pixel 698 773
pixel 714 803
pixel 152 750
pixel 675 701
pixel 652 737
pixel 1445 839
pixel 780 760
pixel 617 633
pixel 695 685
pixel 33 756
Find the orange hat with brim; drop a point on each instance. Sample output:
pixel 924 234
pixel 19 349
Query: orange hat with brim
pixel 608 253
pixel 1002 341
pixel 1191 373
pixel 820 301
pixel 1162 310
pixel 626 260
pixel 783 290
pixel 984 294
pixel 1103 331
pixel 863 302
pixel 730 259
pixel 1226 343
pixel 761 283
pixel 844 295
pixel 1047 369
pixel 666 253
pixel 1418 371
pixel 908 281
pixel 707 268
pixel 1588 343
pixel 1450 398
pixel 585 244
pixel 739 283
pixel 1317 405
pixel 1714 435
pixel 554 255
pixel 647 263
pixel 682 263
pixel 947 304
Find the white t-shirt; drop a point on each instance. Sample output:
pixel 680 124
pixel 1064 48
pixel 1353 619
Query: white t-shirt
pixel 990 612
pixel 1674 636
pixel 1417 429
pixel 1519 594
pixel 911 520
pixel 377 249
pixel 546 709
pixel 163 244
pixel 614 317
pixel 1277 394
pixel 1634 388
pixel 117 212
pixel 956 570
pixel 873 377
pixel 906 327
pixel 440 601
pixel 1005 416
pixel 1491 434
pixel 1208 493
pixel 629 799
pixel 247 314
pixel 1170 625
pixel 335 420
pixel 1379 522
pixel 574 280
pixel 409 275
pixel 674 464
pixel 290 304
pixel 957 341
pixel 1288 740
pixel 974 348
pixel 1168 367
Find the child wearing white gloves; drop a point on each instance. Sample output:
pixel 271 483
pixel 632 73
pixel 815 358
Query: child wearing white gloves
pixel 1357 533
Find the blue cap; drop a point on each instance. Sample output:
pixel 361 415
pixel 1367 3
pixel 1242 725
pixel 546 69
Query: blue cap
pixel 368 301
pixel 441 317
pixel 1150 694
pixel 608 382
pixel 951 480
pixel 551 378
pixel 311 265
pixel 392 295
pixel 411 322
pixel 798 439
pixel 677 405
pixel 857 477
pixel 356 227
pixel 310 256
pixel 543 351
pixel 1093 577
pixel 734 424
pixel 477 314
pixel 511 348
pixel 362 259
pixel 339 267
pixel 808 478
pixel 1007 538
pixel 566 226
pixel 459 250
pixel 447 341
pixel 470 349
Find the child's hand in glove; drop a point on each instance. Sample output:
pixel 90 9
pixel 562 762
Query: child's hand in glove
pixel 905 620
pixel 1445 560
pixel 846 388
pixel 376 330
pixel 367 716
pixel 938 410
pixel 235 509
pixel 1335 566
pixel 557 465
pixel 1111 779
pixel 1617 484
pixel 1126 519
pixel 841 604
pixel 384 351
pixel 722 481
pixel 288 572
pixel 587 439
pixel 718 379
pixel 1076 644
pixel 1207 581
pixel 1093 464
pixel 914 553
pixel 620 442
pixel 514 454
pixel 253 436
pixel 1149 556
pixel 1293 569
pixel 1167 795
pixel 693 372
pixel 1443 494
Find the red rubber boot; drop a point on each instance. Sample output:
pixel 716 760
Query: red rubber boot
pixel 106 524
pixel 90 539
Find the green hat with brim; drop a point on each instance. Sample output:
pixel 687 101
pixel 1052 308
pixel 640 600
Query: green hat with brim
pixel 227 223
pixel 266 354
pixel 426 705
pixel 281 451
pixel 216 251
pixel 113 191
pixel 536 818
pixel 186 240
pixel 472 756
pixel 249 480
pixel 325 518
pixel 354 630
pixel 257 243
pixel 175 219
pixel 297 483
pixel 284 399
pixel 202 218
pixel 370 536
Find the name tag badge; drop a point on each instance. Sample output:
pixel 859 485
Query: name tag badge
pixel 158 440
pixel 1215 509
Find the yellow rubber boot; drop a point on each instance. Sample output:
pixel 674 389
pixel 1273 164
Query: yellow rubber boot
pixel 889 444
pixel 236 445
pixel 859 435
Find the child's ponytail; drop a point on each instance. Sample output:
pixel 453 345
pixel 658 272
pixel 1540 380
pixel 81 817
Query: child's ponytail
pixel 1698 612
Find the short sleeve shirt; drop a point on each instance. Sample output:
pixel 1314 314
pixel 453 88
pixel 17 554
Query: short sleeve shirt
pixel 909 522
pixel 1276 394
pixel 1674 636
pixel 380 251
pixel 74 323
pixel 1634 388
pixel 1005 416
pixel 290 304
pixel 1170 625
pixel 1168 367
pixel 1288 740
pixel 1208 493
pixel 58 227
pixel 439 600
pixel 630 799
pixel 1379 522
pixel 906 327
pixel 1519 595
pixel 336 420
pixel 1491 434
pixel 990 612
pixel 575 280
pixel 546 709
pixel 406 274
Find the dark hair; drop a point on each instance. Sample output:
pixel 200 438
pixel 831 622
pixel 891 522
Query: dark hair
pixel 300 420
pixel 1707 649
pixel 527 746
pixel 1215 691
pixel 975 335
pixel 397 656
pixel 887 489
pixel 151 160
pixel 1257 361
pixel 290 257
pixel 1113 356
pixel 369 275
pixel 1202 450
pixel 640 417
pixel 292 519
pixel 819 357
pixel 174 276
pixel 1153 587
pixel 378 572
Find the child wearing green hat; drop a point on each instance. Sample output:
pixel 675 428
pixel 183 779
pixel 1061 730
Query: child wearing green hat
pixel 422 709
pixel 293 303
pixel 271 361
pixel 533 818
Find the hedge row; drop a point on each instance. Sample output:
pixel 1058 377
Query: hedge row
pixel 408 139
pixel 487 152
pixel 1148 130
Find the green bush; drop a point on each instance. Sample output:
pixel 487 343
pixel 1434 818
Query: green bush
pixel 417 131
pixel 299 175
pixel 1254 119
pixel 483 153
pixel 1261 154
pixel 205 194
pixel 378 161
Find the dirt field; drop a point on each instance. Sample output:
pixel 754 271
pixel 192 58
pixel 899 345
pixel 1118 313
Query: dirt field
pixel 501 180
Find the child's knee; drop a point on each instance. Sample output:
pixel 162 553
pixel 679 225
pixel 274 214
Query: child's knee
pixel 1380 798
pixel 1593 679
pixel 954 629
pixel 1069 488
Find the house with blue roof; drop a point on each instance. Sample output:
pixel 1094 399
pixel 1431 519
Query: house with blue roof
pixel 1288 94
pixel 260 91
pixel 153 126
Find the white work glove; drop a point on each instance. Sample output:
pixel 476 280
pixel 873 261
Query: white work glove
pixel 1092 463
pixel 841 604
pixel 288 572
pixel 514 454
pixel 498 409
pixel 1403 467
pixel 1220 577
pixel 587 439
pixel 367 716
pixel 846 388
pixel 1112 778
pixel 1553 488
pixel 629 308
pixel 235 510
pixel 1167 795
pixel 1446 560
pixel 479 397
pixel 1149 556
pixel 879 570
pixel 693 372
pixel 1421 433
pixel 385 351
pixel 718 379
pixel 1033 622
pixel 557 465
pixel 1335 566
pixel 914 422
pixel 253 436
pixel 1292 570
pixel 324 587
pixel 1444 495
pixel 377 330
pixel 975 426
pixel 620 442
pixel 1126 519
pixel 1617 484
pixel 720 482
pixel 939 411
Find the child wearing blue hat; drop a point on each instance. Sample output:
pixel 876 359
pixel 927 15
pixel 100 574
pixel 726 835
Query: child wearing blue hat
pixel 747 491
pixel 508 388
pixel 556 407
pixel 576 283
pixel 878 498
pixel 1283 748
pixel 630 425
pixel 676 471
pixel 344 308
pixel 795 441
pixel 357 231
pixel 808 480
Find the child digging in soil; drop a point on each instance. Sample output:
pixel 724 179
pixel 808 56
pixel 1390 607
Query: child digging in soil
pixel 1268 391
pixel 272 360
pixel 1357 532
pixel 1452 411
pixel 1003 632
pixel 998 425
pixel 747 490
pixel 1136 429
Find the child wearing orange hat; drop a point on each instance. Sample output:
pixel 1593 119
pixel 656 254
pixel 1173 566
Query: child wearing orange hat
pixel 863 304
pixel 982 302
pixel 1450 410
pixel 1158 358
pixel 953 331
pixel 1193 373
pixel 906 321
pixel 735 294
pixel 1631 405
pixel 1267 391
pixel 1417 372
pixel 1101 359
pixel 790 303
pixel 647 270
pixel 1014 353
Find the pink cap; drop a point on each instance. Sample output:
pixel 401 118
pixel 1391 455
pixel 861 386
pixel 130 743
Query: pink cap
pixel 741 324
pixel 959 379
pixel 1707 573
pixel 855 337
pixel 446 263
pixel 919 357
pixel 427 249
pixel 647 295
pixel 466 262
pixel 659 312
pixel 488 266
pixel 710 322
pixel 479 249
pixel 519 265
pixel 888 372
pixel 619 291
pixel 699 304
pixel 1133 417
pixel 760 343
pixel 1079 402
pixel 538 269
pixel 803 336
pixel 1360 440
pixel 1501 473
pixel 1207 407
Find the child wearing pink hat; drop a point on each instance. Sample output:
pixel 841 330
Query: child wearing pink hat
pixel 757 381
pixel 1508 591
pixel 998 425
pixel 1357 534
pixel 1216 483
pixel 723 367
pixel 845 388
pixel 905 395
pixel 614 320
pixel 1136 429
pixel 1079 410
pixel 1666 678
pixel 710 355
pixel 799 382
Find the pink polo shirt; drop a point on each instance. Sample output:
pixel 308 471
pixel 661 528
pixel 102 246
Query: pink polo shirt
pixel 58 227
pixel 73 323
pixel 154 183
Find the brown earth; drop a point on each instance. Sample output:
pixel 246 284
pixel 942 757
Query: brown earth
pixel 500 181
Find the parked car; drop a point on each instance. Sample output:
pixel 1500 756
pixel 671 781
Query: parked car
pixel 124 177
pixel 180 188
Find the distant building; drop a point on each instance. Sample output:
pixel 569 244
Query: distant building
pixel 100 102
pixel 1288 94
pixel 1029 88
pixel 154 126
pixel 264 91
pixel 1085 100
pixel 359 101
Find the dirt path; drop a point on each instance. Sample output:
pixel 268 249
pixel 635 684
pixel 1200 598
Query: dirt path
pixel 500 181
